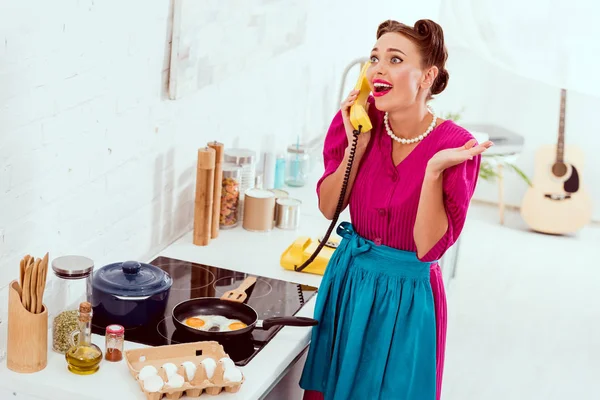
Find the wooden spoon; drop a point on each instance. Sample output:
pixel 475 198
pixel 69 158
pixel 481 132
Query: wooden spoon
pixel 239 294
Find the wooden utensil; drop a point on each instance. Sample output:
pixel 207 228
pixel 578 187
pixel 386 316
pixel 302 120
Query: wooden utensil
pixel 41 284
pixel 26 285
pixel 239 294
pixel 33 286
pixel 21 273
pixel 32 282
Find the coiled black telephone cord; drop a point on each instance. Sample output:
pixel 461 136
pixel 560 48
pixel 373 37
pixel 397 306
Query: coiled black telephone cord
pixel 340 204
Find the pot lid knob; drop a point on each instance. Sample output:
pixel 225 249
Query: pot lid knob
pixel 131 267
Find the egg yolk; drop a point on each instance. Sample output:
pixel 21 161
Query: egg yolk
pixel 195 322
pixel 237 325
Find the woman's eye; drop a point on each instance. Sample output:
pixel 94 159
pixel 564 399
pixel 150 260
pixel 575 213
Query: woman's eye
pixel 373 59
pixel 396 60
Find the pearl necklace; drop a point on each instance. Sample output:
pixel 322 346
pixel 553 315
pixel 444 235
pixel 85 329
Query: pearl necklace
pixel 413 140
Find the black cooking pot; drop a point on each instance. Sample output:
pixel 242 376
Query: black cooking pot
pixel 130 294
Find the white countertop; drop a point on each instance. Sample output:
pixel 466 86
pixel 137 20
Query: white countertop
pixel 235 249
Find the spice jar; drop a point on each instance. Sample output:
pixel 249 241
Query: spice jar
pixel 115 336
pixel 73 287
pixel 297 166
pixel 230 196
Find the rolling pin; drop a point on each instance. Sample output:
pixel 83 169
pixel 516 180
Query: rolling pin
pixel 216 206
pixel 205 181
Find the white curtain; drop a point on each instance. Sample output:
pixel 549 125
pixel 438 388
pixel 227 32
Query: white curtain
pixel 553 41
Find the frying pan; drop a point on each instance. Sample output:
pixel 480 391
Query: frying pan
pixel 232 309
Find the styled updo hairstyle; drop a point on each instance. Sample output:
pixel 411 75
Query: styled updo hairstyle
pixel 428 36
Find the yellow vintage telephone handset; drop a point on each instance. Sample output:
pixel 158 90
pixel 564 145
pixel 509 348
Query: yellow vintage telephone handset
pixel 358 111
pixel 314 257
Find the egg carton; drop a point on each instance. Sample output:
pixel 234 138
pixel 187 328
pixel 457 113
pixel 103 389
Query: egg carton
pixel 178 354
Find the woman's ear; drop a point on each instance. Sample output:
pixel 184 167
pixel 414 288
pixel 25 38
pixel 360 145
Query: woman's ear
pixel 429 77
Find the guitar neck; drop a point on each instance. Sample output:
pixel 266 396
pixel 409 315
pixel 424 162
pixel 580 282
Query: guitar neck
pixel 560 145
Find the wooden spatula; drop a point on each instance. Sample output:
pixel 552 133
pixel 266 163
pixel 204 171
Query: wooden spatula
pixel 41 283
pixel 33 283
pixel 27 284
pixel 24 264
pixel 239 294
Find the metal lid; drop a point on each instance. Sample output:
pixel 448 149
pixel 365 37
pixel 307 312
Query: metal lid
pixel 239 156
pixel 231 170
pixel 131 278
pixel 279 193
pixel 295 149
pixel 288 201
pixel 72 267
pixel 259 193
pixel 115 329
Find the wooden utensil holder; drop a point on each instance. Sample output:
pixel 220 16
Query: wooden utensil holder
pixel 27 344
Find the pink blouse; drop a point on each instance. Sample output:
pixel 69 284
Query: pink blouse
pixel 384 198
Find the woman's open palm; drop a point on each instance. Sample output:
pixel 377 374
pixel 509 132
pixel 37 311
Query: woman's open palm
pixel 450 157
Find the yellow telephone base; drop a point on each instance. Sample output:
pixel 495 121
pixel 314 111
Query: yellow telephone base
pixel 302 248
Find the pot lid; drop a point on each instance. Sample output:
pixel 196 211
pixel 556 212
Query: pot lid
pixel 132 278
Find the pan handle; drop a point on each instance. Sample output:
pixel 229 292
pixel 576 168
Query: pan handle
pixel 287 321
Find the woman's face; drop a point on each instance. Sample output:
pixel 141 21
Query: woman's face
pixel 396 77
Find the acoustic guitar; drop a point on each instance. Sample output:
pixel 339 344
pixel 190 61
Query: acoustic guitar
pixel 557 202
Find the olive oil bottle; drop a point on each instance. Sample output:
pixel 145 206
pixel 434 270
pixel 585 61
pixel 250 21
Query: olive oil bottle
pixel 84 357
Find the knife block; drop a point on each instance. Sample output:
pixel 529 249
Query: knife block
pixel 27 342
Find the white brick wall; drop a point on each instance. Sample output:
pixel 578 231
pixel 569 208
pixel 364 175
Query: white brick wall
pixel 94 160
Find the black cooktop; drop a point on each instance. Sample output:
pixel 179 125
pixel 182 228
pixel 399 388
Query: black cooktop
pixel 269 297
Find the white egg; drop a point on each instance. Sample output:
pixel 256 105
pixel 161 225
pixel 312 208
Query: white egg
pixel 227 362
pixel 175 381
pixel 190 370
pixel 211 321
pixel 153 383
pixel 209 366
pixel 232 374
pixel 220 320
pixel 170 369
pixel 146 372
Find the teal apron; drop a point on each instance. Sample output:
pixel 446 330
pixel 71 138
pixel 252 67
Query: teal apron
pixel 376 335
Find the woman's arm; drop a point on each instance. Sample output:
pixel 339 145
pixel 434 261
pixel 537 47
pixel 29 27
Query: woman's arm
pixel 336 155
pixel 432 221
pixel 448 185
pixel 331 186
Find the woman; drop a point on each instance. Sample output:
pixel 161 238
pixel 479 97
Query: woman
pixel 381 305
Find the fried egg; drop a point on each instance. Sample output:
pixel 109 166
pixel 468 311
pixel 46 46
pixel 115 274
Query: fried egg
pixel 214 323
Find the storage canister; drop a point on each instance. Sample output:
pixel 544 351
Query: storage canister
pixel 246 159
pixel 297 166
pixel 287 211
pixel 259 206
pixel 230 196
pixel 72 287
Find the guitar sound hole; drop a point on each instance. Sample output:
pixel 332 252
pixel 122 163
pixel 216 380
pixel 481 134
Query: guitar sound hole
pixel 559 169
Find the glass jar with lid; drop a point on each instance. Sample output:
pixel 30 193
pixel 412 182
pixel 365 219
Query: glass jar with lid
pixel 114 339
pixel 230 196
pixel 246 159
pixel 297 166
pixel 72 287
